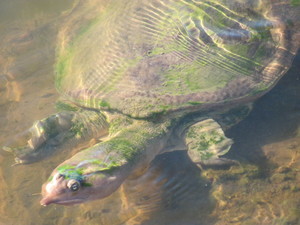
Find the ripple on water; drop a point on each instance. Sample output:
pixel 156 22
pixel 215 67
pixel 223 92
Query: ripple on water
pixel 173 191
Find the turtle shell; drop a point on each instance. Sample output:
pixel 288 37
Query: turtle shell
pixel 142 57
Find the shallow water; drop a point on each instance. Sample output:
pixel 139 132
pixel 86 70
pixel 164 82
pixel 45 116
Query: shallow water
pixel 263 189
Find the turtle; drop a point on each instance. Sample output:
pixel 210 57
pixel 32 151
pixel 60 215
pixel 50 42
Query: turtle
pixel 145 77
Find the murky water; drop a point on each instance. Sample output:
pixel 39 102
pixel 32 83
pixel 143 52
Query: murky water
pixel 263 189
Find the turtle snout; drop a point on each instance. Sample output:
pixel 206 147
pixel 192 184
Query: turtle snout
pixel 46 201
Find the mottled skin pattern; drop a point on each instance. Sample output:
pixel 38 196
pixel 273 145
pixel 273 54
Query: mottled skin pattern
pixel 144 73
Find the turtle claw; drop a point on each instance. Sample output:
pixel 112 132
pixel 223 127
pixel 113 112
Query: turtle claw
pixel 17 163
pixel 21 146
pixel 27 146
pixel 53 132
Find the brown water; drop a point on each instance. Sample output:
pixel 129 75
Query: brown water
pixel 264 189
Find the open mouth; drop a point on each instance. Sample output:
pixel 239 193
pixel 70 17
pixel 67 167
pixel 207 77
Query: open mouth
pixel 46 201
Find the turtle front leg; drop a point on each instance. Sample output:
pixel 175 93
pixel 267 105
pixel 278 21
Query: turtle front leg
pixel 206 141
pixel 46 135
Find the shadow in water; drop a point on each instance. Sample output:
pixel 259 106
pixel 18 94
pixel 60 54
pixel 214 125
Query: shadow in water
pixel 275 117
pixel 172 191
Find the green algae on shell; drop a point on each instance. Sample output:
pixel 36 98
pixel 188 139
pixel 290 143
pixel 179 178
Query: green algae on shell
pixel 168 64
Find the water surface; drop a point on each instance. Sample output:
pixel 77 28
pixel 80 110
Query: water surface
pixel 263 189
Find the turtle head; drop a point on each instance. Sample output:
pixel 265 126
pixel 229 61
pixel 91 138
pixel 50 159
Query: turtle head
pixel 69 185
pixel 61 190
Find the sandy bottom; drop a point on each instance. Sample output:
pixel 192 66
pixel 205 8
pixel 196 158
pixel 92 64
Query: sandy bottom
pixel 264 189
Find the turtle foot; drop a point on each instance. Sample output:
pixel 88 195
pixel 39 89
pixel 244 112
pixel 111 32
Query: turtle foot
pixel 43 135
pixel 206 142
pixel 61 130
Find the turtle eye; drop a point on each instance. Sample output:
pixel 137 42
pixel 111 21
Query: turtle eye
pixel 73 185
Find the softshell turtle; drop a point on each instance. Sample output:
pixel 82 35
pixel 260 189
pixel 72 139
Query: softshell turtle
pixel 153 76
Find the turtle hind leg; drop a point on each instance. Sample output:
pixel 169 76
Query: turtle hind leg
pixel 206 142
pixel 48 134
